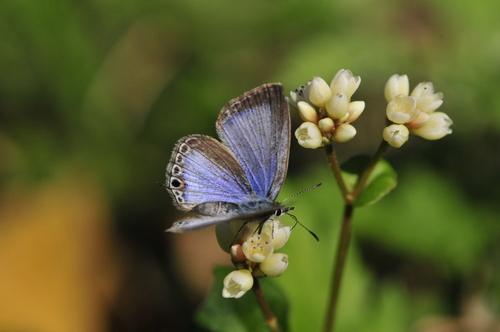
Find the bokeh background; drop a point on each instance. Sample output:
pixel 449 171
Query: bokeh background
pixel 95 93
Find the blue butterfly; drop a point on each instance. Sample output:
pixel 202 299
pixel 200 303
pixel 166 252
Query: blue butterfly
pixel 240 178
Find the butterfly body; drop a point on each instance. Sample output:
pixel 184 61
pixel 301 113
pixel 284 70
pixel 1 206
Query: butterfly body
pixel 240 177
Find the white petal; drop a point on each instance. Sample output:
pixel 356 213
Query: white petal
pixel 437 127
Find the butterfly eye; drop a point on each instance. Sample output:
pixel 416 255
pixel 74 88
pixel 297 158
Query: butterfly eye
pixel 176 183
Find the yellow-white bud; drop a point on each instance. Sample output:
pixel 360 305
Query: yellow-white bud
pixel 354 110
pixel 326 125
pixel 436 127
pixel 337 106
pixel 396 85
pixel 343 133
pixel 274 265
pixel 402 109
pixel 309 136
pixel 307 112
pixel 319 92
pixel 396 135
pixel 344 82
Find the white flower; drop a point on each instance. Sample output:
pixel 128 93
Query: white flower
pixel 319 92
pixel 427 99
pixel 396 85
pixel 436 127
pixel 344 82
pixel 257 247
pixel 396 135
pixel 337 106
pixel 237 283
pixel 344 132
pixel 402 109
pixel 309 135
pixel 274 265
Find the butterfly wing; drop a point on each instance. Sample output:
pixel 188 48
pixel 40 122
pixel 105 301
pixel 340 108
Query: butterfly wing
pixel 204 170
pixel 256 127
pixel 198 222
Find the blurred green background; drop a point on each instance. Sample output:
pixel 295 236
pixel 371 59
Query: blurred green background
pixel 95 93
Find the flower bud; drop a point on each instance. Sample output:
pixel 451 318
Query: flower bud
pixel 343 133
pixel 354 110
pixel 396 85
pixel 307 112
pixel 396 135
pixel 402 109
pixel 437 127
pixel 309 136
pixel 326 125
pixel 427 99
pixel 274 265
pixel 237 254
pixel 344 82
pixel 337 106
pixel 419 121
pixel 237 283
pixel 319 92
pixel 281 236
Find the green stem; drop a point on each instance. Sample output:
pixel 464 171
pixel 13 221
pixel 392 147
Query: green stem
pixel 271 320
pixel 345 232
pixel 337 173
pixel 342 248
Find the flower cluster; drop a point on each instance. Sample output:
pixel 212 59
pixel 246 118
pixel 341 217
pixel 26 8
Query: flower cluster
pixel 413 113
pixel 252 253
pixel 327 110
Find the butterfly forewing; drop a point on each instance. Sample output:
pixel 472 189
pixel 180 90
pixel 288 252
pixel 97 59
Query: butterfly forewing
pixel 256 127
pixel 204 170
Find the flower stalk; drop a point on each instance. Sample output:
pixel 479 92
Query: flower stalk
pixel 339 263
pixel 271 320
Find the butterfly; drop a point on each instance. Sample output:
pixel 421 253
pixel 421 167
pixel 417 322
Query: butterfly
pixel 239 177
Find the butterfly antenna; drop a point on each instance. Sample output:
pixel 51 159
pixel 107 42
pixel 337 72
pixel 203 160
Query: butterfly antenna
pixel 160 184
pixel 301 192
pixel 301 224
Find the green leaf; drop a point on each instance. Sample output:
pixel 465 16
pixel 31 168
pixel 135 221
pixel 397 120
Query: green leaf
pixel 381 181
pixel 243 314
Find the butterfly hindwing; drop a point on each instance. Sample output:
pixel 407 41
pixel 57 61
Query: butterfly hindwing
pixel 204 170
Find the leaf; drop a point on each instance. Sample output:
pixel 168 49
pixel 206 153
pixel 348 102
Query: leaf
pixel 381 181
pixel 243 314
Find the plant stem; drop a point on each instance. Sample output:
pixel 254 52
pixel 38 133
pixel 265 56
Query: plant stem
pixel 382 148
pixel 345 232
pixel 342 248
pixel 335 167
pixel 271 320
